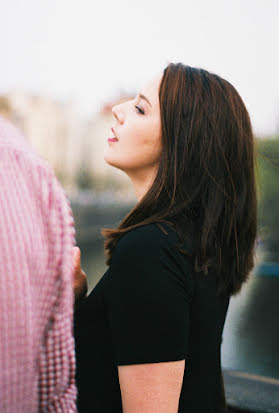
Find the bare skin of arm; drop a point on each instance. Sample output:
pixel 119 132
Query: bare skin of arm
pixel 151 387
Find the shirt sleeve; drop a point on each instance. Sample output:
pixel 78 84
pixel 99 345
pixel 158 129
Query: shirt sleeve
pixel 57 390
pixel 148 299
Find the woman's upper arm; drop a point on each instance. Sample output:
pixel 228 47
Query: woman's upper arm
pixel 151 387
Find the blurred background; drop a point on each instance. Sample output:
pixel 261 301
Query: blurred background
pixel 64 64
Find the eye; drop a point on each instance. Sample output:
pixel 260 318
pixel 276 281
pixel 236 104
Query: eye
pixel 141 111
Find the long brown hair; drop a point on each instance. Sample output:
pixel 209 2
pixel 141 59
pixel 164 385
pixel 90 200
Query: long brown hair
pixel 205 185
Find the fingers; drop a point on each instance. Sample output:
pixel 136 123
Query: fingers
pixel 79 279
pixel 76 257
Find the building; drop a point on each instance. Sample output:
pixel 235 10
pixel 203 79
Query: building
pixel 52 127
pixel 73 147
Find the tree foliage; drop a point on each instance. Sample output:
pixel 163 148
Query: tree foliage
pixel 268 194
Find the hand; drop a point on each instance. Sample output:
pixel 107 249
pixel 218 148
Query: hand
pixel 80 280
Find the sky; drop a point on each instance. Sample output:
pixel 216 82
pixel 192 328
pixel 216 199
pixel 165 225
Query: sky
pixel 90 51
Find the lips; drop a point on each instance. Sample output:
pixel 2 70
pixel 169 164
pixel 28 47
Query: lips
pixel 113 138
pixel 113 133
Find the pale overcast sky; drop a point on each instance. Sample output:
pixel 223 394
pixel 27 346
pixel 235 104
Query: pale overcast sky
pixel 89 50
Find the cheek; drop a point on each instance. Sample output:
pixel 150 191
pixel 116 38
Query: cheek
pixel 149 135
pixel 152 141
pixel 139 147
pixel 151 148
pixel 146 147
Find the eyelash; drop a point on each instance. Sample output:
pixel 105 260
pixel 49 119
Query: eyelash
pixel 140 111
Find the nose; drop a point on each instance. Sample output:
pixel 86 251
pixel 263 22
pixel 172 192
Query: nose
pixel 118 113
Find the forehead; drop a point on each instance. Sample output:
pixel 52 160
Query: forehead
pixel 151 89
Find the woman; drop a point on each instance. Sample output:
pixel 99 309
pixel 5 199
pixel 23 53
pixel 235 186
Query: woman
pixel 148 336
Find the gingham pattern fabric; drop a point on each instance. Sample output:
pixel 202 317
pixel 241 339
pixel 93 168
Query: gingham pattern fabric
pixel 37 363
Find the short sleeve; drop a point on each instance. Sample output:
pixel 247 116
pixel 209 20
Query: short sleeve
pixel 148 298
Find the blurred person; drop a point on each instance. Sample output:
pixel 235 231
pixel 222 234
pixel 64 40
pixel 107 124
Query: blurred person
pixel 37 361
pixel 148 336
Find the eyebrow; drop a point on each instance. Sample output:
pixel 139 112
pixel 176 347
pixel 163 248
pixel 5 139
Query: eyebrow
pixel 145 98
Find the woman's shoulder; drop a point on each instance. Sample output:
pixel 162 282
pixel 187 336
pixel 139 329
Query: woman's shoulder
pixel 152 236
pixel 153 248
pixel 150 243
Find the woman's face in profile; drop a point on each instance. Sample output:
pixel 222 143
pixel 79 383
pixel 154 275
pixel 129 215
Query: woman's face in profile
pixel 138 131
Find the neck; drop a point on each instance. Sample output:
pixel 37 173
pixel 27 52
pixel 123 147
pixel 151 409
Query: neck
pixel 142 182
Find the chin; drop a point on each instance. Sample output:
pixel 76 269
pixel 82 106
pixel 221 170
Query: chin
pixel 114 161
pixel 110 160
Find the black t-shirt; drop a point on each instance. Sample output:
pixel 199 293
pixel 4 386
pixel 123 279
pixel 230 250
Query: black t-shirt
pixel 148 307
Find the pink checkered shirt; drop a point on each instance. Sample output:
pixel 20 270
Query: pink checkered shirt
pixel 37 363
